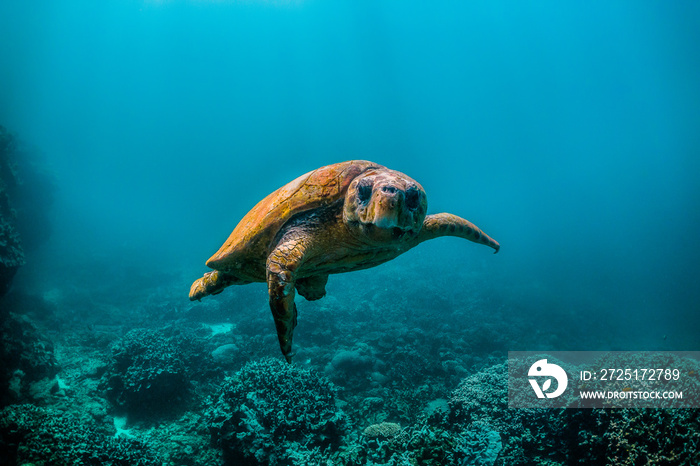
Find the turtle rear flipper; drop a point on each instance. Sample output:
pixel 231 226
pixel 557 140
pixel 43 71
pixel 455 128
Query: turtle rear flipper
pixel 212 282
pixel 312 288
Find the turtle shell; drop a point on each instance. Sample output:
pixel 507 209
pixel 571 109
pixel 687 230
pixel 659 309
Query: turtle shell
pixel 249 242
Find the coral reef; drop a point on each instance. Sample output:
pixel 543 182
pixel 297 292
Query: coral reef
pixel 425 387
pixel 152 371
pixel 429 442
pixel 270 411
pixel 183 442
pixel 382 430
pixel 26 356
pixel 527 433
pixel 635 436
pixel 42 436
pixel 351 362
pixel 573 436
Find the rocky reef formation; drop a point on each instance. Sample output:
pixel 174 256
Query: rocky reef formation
pixel 25 195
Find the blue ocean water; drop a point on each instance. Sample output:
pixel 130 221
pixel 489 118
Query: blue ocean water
pixel 569 132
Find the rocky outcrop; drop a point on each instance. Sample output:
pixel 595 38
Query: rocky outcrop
pixel 25 194
pixel 11 252
pixel 26 356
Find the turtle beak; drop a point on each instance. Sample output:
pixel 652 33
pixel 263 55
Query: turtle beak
pixel 386 213
pixel 386 221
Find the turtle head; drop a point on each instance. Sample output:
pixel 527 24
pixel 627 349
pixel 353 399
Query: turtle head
pixel 385 205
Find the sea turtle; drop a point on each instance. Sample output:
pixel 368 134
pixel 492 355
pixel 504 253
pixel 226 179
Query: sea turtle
pixel 342 217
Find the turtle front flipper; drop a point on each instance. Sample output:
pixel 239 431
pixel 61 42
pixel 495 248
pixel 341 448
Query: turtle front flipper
pixel 282 264
pixel 444 224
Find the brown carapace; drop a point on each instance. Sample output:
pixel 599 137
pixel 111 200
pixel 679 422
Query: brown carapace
pixel 339 218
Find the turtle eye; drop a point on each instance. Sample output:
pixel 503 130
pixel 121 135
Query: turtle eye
pixel 364 192
pixel 412 198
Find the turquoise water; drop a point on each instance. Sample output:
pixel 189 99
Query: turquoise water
pixel 567 132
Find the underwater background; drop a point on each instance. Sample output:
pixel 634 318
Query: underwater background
pixel 136 134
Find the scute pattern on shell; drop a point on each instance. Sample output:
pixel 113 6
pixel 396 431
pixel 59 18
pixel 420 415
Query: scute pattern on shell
pixel 310 191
